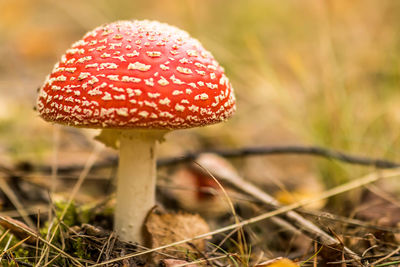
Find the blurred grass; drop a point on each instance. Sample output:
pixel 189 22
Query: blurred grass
pixel 22 139
pixel 305 72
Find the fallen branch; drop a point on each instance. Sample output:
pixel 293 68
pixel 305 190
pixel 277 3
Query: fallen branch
pixel 279 150
pixel 248 151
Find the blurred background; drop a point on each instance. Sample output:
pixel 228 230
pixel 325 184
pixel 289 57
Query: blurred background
pixel 305 72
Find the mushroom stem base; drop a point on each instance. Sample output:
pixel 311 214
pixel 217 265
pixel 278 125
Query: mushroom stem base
pixel 136 182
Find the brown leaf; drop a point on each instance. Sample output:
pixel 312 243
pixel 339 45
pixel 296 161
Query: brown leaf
pixel 16 227
pixel 300 194
pixel 166 228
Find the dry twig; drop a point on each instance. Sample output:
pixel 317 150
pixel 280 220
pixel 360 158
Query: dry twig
pixel 386 257
pixel 247 151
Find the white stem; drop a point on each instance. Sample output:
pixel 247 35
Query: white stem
pixel 136 182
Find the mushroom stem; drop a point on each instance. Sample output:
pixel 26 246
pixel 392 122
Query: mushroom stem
pixel 136 182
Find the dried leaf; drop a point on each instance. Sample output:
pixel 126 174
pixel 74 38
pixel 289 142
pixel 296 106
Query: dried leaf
pixel 166 228
pixel 300 194
pixel 16 227
pixel 279 262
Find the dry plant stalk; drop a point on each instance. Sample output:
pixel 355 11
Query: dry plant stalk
pixel 213 164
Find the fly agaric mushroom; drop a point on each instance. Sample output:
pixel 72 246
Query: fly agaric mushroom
pixel 136 80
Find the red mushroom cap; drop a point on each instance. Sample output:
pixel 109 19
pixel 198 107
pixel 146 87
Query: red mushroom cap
pixel 137 74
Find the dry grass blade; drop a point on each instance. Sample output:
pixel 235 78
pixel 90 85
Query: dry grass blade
pixel 373 177
pixel 15 201
pixel 4 234
pixel 37 240
pixel 233 178
pixel 7 245
pixel 306 225
pixel 106 244
pixel 13 247
pixel 52 260
pixel 386 257
pixel 382 194
pixel 350 221
pixel 242 239
pixel 16 231
pixel 314 256
pixel 74 260
pixel 89 163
